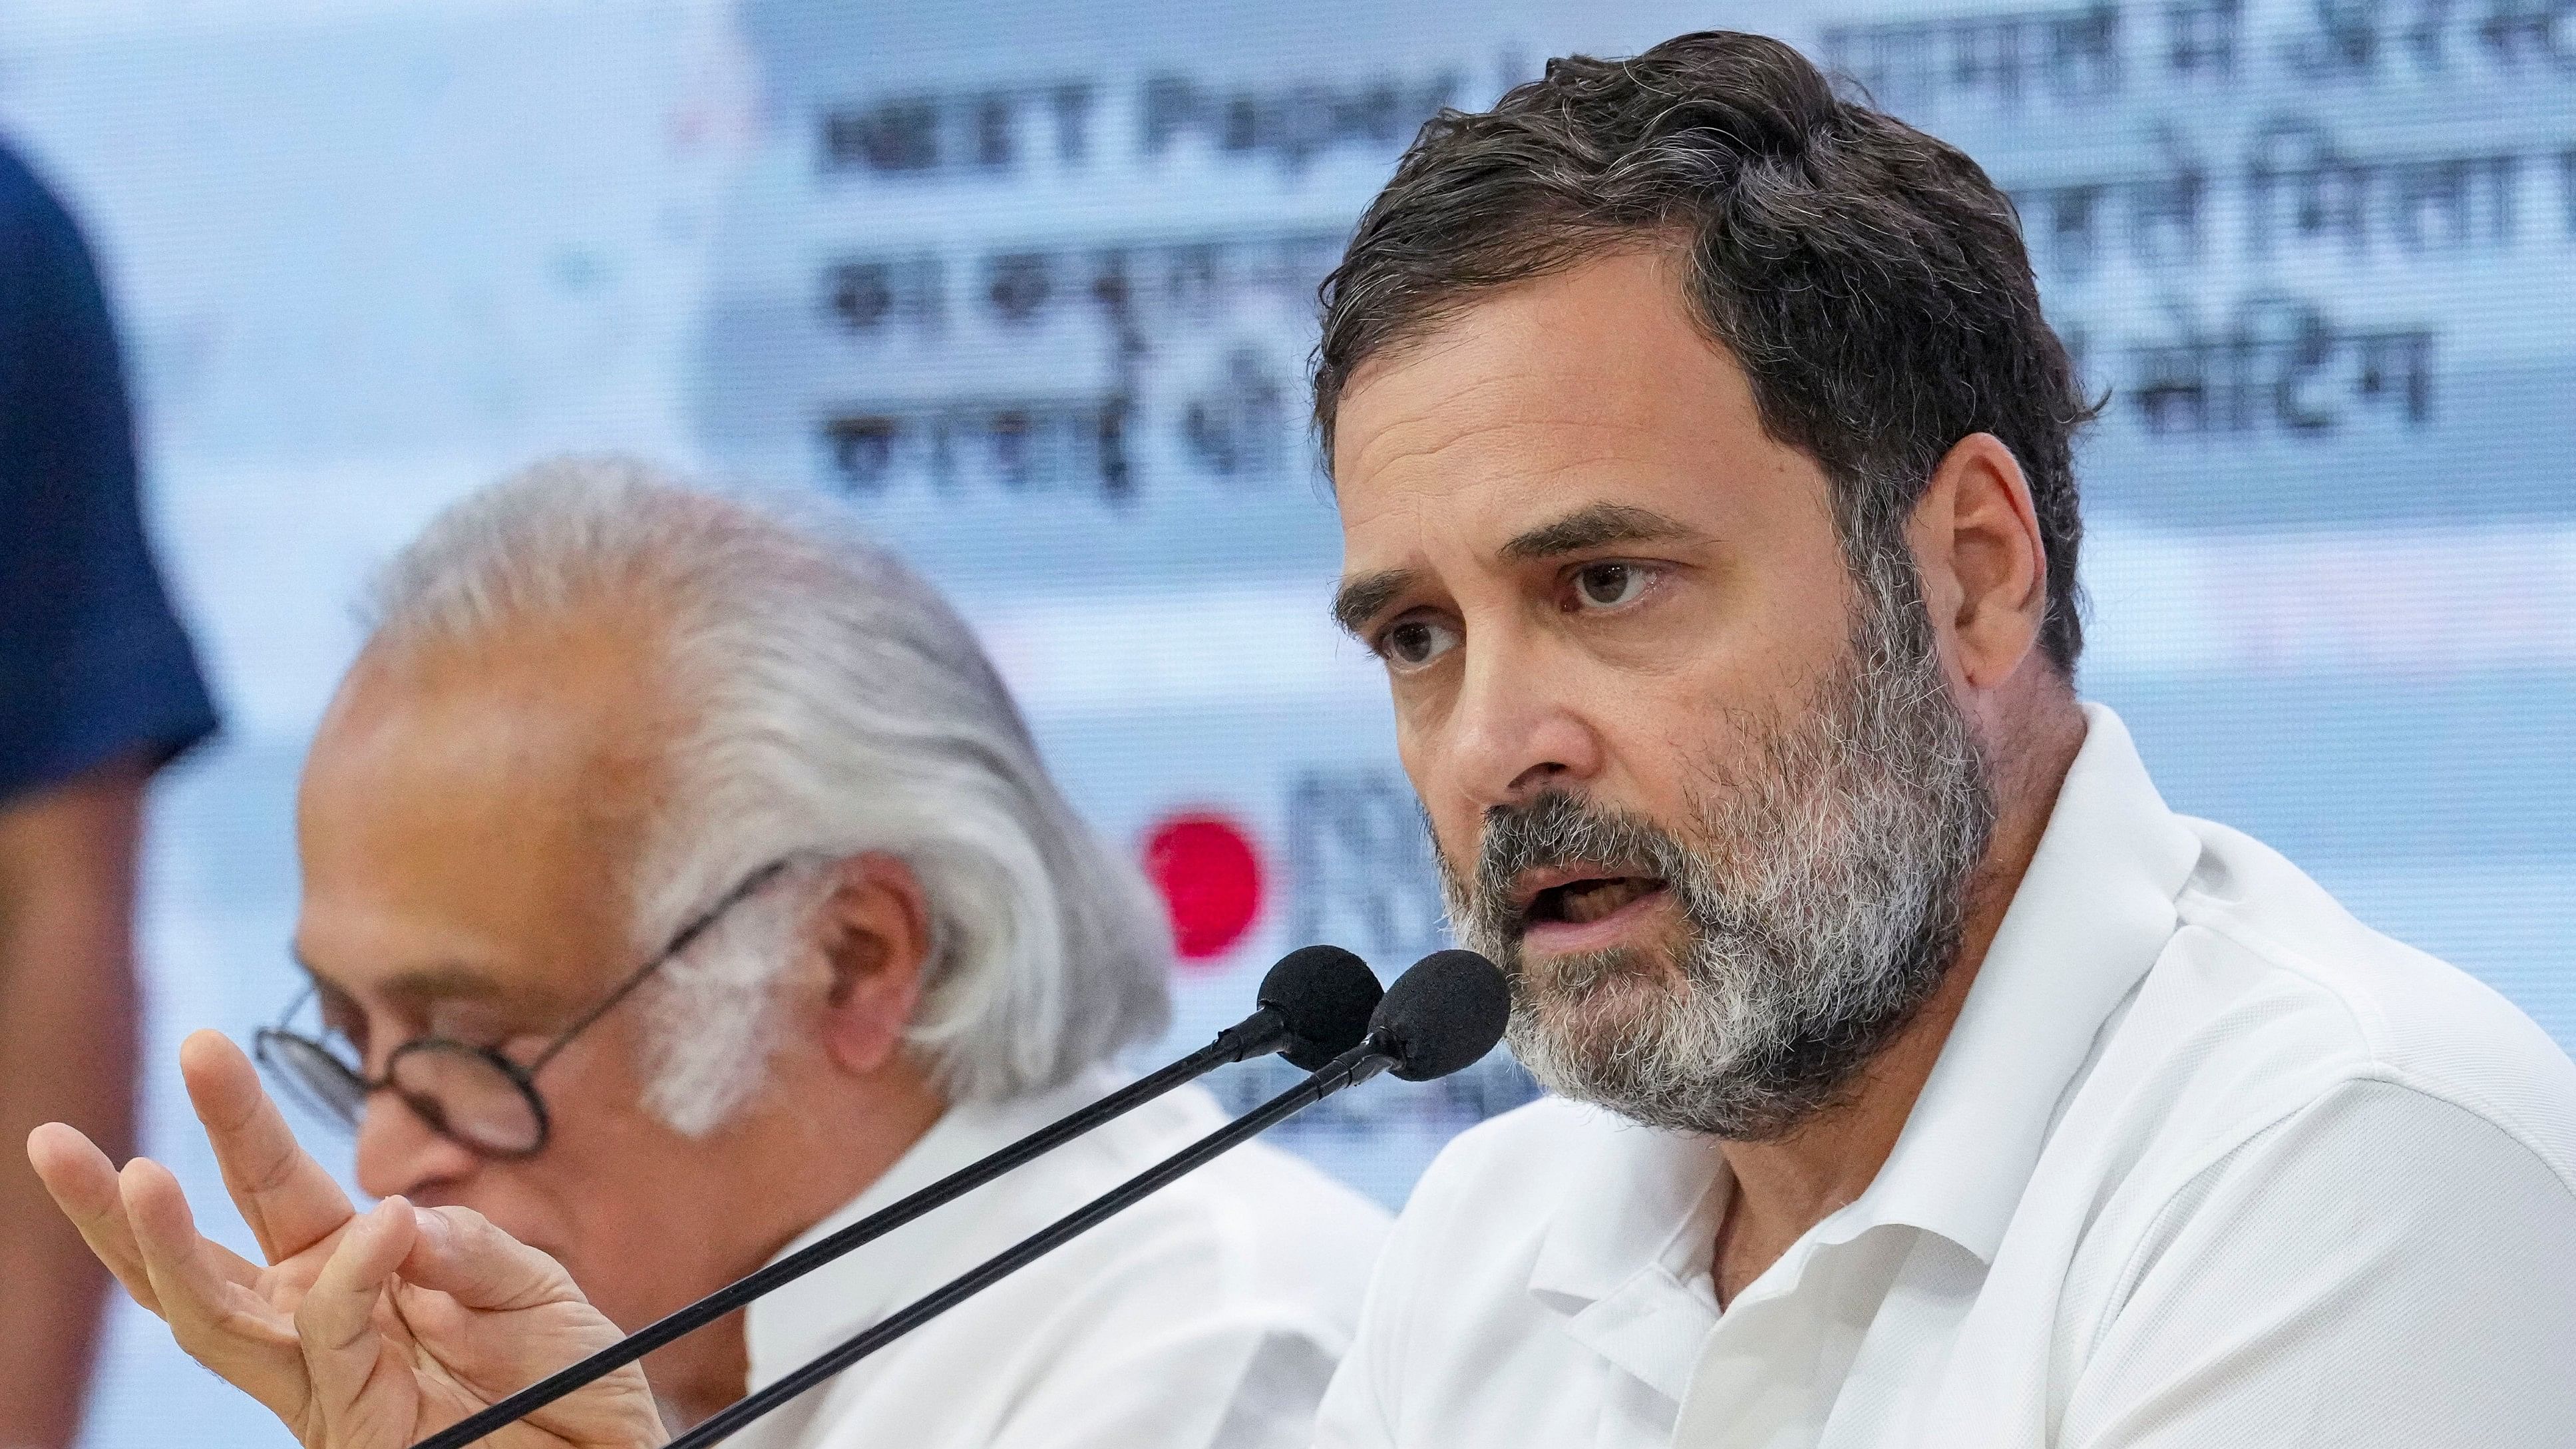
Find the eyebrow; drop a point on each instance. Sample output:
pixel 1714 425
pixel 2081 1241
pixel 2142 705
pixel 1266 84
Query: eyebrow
pixel 1363 596
pixel 445 981
pixel 1593 526
pixel 417 986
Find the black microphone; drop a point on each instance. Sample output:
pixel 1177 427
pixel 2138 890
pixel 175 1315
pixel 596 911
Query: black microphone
pixel 1455 1009
pixel 1322 998
pixel 1442 1015
pixel 1313 1005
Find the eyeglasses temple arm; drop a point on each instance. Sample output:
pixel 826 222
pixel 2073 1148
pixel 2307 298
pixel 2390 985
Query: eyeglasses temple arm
pixel 686 937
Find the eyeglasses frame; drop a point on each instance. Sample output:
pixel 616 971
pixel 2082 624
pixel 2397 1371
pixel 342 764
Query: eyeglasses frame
pixel 523 1077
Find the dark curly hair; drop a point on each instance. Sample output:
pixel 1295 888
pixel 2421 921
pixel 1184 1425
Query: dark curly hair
pixel 1870 279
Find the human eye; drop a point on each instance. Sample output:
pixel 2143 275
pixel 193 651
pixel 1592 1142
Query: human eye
pixel 1413 643
pixel 343 1019
pixel 491 1025
pixel 1611 584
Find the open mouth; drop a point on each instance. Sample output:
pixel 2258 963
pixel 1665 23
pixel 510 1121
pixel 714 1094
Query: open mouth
pixel 1577 902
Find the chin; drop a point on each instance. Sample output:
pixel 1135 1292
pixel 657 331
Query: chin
pixel 1589 982
pixel 1607 1009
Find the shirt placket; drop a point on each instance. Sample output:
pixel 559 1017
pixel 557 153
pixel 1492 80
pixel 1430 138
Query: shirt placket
pixel 1745 1391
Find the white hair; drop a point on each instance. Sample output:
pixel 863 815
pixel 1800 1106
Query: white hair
pixel 837 706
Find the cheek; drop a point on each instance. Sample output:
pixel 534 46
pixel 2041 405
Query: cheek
pixel 595 1088
pixel 533 1201
pixel 1453 821
pixel 1456 841
pixel 589 1193
pixel 1417 751
pixel 1669 735
pixel 598 1213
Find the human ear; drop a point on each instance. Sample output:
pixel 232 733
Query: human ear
pixel 873 932
pixel 1984 568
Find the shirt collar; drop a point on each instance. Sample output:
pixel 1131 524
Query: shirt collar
pixel 1626 1256
pixel 2090 916
pixel 834 1301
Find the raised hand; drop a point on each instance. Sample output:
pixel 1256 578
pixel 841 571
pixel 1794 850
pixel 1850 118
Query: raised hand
pixel 362 1331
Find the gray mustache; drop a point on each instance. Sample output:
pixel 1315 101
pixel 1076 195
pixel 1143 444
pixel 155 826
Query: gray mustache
pixel 1557 829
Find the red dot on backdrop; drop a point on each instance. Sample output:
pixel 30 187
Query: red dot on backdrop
pixel 1210 880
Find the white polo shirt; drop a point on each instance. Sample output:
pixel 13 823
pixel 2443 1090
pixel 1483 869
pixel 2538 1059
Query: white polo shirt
pixel 2203 1163
pixel 1208 1316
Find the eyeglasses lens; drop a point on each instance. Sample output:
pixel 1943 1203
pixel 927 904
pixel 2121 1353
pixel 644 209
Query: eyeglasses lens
pixel 314 1075
pixel 468 1096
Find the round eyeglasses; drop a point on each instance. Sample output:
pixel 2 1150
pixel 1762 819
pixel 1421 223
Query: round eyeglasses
pixel 468 1093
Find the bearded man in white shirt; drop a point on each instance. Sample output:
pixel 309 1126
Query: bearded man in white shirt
pixel 680 885
pixel 1705 472
pixel 1705 475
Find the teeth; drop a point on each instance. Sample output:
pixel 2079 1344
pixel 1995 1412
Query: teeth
pixel 1591 900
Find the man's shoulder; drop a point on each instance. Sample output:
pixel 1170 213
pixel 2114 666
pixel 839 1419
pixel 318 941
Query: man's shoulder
pixel 48 258
pixel 1507 1173
pixel 1515 1220
pixel 1259 1217
pixel 1308 1202
pixel 2271 996
pixel 1504 1145
pixel 25 201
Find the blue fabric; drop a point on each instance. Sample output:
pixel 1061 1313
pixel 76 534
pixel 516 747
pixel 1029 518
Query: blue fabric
pixel 93 664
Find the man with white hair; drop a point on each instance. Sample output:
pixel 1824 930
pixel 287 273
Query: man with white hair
pixel 681 885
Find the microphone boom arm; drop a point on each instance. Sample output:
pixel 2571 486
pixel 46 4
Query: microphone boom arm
pixel 1349 1069
pixel 1253 1037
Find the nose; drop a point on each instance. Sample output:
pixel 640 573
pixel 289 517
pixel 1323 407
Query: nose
pixel 1521 723
pixel 400 1153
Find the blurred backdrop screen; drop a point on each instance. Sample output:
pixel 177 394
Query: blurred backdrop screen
pixel 1029 287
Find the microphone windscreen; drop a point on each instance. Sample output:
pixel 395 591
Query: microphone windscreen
pixel 1443 1014
pixel 1325 996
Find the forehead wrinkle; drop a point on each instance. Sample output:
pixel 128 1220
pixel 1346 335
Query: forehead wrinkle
pixel 430 982
pixel 1532 452
pixel 1517 392
pixel 1441 402
pixel 1495 428
pixel 1619 447
pixel 1592 526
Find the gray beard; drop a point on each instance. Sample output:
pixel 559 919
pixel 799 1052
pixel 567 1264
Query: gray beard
pixel 1822 896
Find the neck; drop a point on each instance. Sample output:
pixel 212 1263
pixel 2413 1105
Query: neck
pixel 1786 1186
pixel 701 1373
pixel 832 1154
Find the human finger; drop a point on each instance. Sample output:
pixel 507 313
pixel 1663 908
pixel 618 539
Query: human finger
pixel 460 1253
pixel 476 1270
pixel 336 1323
pixel 91 1193
pixel 222 1323
pixel 290 1202
pixel 82 1183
